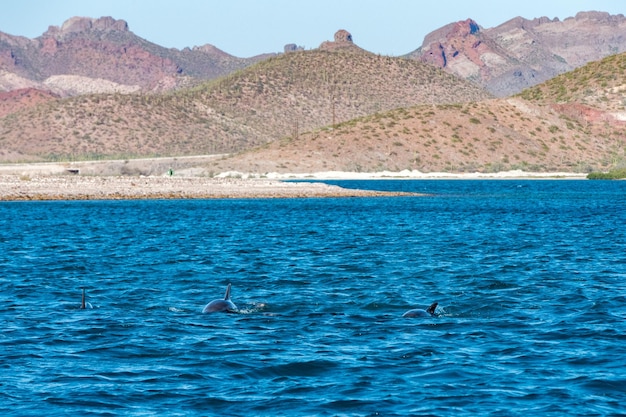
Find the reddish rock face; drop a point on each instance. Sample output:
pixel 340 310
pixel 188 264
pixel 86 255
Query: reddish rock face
pixel 13 101
pixel 49 46
pixel 106 49
pixel 462 40
pixel 521 53
pixel 504 60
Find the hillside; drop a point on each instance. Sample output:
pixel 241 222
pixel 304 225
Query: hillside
pixel 600 86
pixel 573 123
pixel 488 136
pixel 304 90
pixel 16 100
pixel 336 108
pixel 282 96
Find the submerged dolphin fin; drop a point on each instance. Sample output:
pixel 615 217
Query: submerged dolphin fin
pixel 227 295
pixel 431 310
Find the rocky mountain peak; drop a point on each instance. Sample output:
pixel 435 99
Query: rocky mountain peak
pixel 210 50
pixel 343 40
pixel 343 36
pixel 292 47
pixel 466 28
pixel 443 45
pixel 594 15
pixel 83 24
pixel 521 52
pixel 461 28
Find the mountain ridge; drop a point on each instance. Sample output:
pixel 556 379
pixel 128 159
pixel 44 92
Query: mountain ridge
pixel 520 53
pixel 105 48
pixel 337 107
pixel 284 95
pixel 504 59
pixel 575 122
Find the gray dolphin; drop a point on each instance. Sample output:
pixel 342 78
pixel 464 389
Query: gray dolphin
pixel 418 312
pixel 221 305
pixel 83 304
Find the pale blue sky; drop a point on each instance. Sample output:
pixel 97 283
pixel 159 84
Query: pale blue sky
pixel 249 27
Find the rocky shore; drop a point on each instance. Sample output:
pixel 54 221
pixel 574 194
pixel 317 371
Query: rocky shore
pixel 78 187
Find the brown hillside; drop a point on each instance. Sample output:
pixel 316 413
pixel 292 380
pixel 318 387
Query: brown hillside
pixel 303 90
pixel 16 100
pixel 488 136
pixel 282 96
pixel 575 123
pixel 600 85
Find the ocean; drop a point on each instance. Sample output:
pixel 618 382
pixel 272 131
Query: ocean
pixel 530 277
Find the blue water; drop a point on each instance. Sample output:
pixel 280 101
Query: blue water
pixel 530 277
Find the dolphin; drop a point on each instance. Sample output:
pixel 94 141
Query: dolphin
pixel 418 312
pixel 83 304
pixel 221 305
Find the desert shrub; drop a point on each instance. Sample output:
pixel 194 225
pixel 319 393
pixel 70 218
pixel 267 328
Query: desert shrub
pixel 614 174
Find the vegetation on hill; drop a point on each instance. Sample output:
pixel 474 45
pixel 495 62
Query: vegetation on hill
pixel 344 110
pixel 600 84
pixel 317 88
pixel 486 136
pixel 282 96
pixel 533 131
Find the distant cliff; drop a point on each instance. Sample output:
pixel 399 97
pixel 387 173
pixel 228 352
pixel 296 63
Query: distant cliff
pixel 87 55
pixel 521 53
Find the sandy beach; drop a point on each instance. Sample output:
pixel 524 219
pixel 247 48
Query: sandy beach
pixel 75 187
pixel 117 180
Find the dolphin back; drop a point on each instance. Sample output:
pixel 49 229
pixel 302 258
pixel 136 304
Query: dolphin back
pixel 418 312
pixel 221 304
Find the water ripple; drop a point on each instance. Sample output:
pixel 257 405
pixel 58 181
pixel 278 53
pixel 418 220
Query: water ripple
pixel 529 276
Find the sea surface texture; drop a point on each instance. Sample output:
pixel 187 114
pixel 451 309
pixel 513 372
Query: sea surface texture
pixel 530 277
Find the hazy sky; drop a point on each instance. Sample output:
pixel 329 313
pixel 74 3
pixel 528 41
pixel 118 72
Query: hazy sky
pixel 249 27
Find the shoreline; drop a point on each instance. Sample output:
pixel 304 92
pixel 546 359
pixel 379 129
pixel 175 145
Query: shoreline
pixel 76 187
pixel 417 175
pixel 108 181
pixel 191 166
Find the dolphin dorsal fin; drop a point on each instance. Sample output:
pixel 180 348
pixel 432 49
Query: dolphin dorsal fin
pixel 431 309
pixel 227 295
pixel 82 303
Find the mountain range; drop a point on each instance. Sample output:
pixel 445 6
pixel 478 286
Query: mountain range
pixel 521 53
pixel 87 55
pixel 92 89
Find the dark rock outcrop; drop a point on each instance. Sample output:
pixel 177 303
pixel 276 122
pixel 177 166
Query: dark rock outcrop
pixel 292 47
